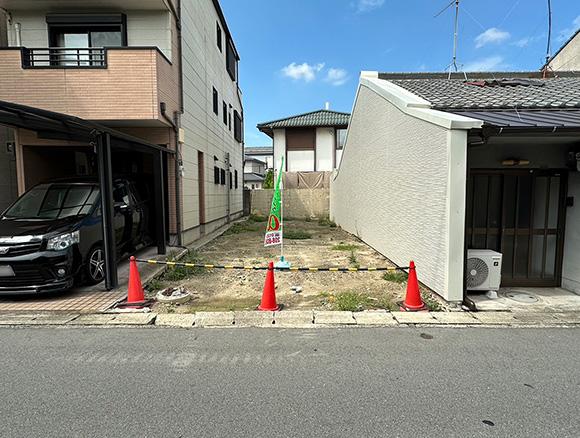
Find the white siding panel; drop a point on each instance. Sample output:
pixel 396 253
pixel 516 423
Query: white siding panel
pixel 392 190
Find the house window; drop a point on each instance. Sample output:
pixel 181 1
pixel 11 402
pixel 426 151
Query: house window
pixel 82 34
pixel 223 177
pixel 237 127
pixel 230 118
pixel 225 113
pixel 218 35
pixel 215 101
pixel 231 61
pixel 340 138
pixel 231 180
pixel 216 175
pixel 236 176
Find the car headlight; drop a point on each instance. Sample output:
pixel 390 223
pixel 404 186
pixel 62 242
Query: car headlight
pixel 63 241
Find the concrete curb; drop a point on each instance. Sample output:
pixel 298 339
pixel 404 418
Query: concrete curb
pixel 299 319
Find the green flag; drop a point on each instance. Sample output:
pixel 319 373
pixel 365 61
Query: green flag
pixel 274 228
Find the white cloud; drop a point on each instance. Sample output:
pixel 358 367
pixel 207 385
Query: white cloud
pixel 493 35
pixel 336 76
pixel 304 71
pixel 526 41
pixel 564 34
pixel 485 64
pixel 368 5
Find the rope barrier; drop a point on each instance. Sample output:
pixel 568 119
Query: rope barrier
pixel 265 268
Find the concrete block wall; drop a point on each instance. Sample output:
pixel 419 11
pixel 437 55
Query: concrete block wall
pixel 298 203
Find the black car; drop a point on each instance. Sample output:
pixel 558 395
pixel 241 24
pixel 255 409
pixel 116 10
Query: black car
pixel 51 237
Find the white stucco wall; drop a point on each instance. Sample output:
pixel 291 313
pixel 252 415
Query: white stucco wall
pixel 569 57
pixel 400 187
pixel 300 161
pixel 279 142
pixel 324 149
pixel 144 28
pixel 571 263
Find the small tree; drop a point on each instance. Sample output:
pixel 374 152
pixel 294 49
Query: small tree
pixel 269 179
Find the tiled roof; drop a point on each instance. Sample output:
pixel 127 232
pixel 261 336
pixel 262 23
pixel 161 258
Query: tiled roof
pixel 259 150
pixel 253 177
pixel 454 94
pixel 311 119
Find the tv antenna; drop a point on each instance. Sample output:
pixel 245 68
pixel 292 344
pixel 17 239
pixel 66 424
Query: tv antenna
pixel 453 66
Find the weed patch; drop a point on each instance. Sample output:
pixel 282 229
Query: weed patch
pixel 297 234
pixel 432 304
pixel 353 260
pixel 257 218
pixel 395 276
pixel 180 273
pixel 345 247
pixel 242 227
pixel 326 222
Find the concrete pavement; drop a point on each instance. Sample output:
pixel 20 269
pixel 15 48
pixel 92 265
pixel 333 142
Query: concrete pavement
pixel 248 382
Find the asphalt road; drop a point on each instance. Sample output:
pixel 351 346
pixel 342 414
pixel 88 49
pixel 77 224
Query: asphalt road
pixel 152 382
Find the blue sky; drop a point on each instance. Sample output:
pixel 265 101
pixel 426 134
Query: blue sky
pixel 298 54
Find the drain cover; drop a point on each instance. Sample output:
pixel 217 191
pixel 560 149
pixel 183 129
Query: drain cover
pixel 522 297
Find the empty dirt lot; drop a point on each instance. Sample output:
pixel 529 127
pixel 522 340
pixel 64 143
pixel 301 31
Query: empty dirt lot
pixel 306 243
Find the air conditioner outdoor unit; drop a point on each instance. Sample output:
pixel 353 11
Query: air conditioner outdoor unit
pixel 483 270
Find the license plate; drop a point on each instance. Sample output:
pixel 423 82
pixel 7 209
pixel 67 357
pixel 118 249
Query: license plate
pixel 6 271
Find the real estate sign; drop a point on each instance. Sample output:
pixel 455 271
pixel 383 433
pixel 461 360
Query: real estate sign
pixel 274 229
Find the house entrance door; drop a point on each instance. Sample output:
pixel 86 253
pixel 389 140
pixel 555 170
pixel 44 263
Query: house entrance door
pixel 521 214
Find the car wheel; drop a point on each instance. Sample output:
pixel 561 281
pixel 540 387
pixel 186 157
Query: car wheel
pixel 95 266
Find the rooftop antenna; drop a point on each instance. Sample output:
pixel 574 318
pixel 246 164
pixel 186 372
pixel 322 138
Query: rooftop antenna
pixel 453 64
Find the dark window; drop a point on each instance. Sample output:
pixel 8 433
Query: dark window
pixel 236 176
pixel 237 127
pixel 231 61
pixel 218 35
pixel 231 180
pixel 223 177
pixel 225 113
pixel 215 101
pixel 216 175
pixel 230 118
pixel 300 139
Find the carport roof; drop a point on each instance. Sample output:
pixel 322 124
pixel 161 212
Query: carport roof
pixel 58 126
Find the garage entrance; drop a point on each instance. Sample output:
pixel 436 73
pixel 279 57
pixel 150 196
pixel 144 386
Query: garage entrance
pixel 100 153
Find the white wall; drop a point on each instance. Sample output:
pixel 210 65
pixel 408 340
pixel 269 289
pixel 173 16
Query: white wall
pixel 300 161
pixel 569 57
pixel 400 188
pixel 324 149
pixel 571 263
pixel 144 28
pixel 279 143
pixel 204 67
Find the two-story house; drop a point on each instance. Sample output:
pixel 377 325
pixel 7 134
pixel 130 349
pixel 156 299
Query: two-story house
pixel 145 88
pixel 308 142
pixel 254 173
pixel 262 153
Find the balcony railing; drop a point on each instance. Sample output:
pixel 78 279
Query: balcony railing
pixel 64 57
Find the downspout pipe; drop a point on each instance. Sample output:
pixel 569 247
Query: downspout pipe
pixel 175 123
pixel 467 302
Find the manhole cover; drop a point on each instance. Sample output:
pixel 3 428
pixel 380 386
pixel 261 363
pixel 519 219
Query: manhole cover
pixel 522 297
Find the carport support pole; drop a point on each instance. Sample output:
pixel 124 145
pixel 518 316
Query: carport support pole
pixel 159 193
pixel 107 208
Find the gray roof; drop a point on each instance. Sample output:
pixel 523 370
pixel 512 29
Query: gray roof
pixel 527 119
pixel 312 119
pixel 458 94
pixel 253 177
pixel 259 150
pixel 255 160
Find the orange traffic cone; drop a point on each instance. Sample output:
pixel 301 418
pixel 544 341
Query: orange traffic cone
pixel 269 295
pixel 135 294
pixel 413 301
